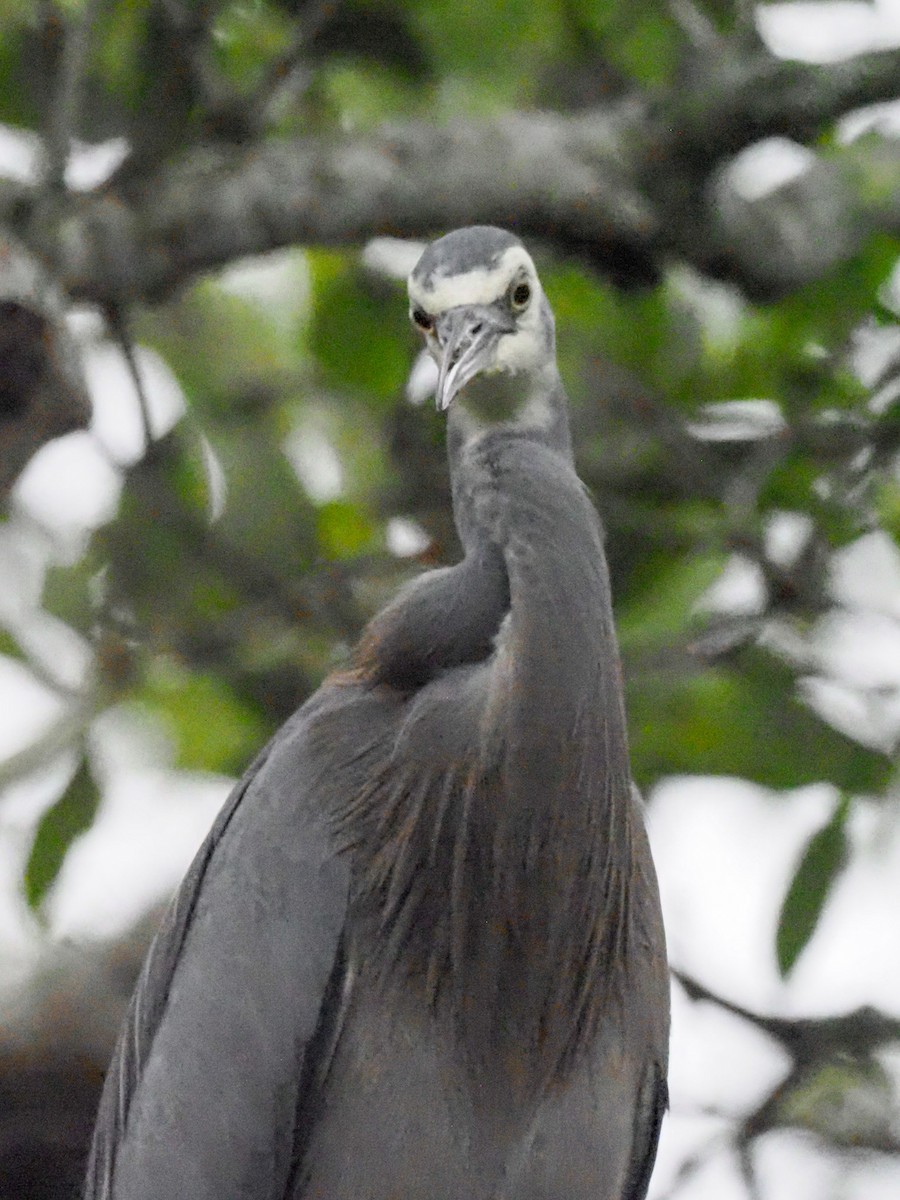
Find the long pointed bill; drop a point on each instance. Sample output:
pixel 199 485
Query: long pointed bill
pixel 467 337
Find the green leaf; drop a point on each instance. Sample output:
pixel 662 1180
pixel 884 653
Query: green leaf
pixel 666 603
pixel 120 32
pixel 212 730
pixel 9 647
pixel 19 85
pixel 826 311
pixel 887 502
pixel 649 51
pixel 819 1099
pixel 230 351
pixel 246 38
pixel 494 49
pixel 364 94
pixel 71 815
pixel 361 342
pixel 174 572
pixel 73 593
pixel 716 720
pixel 344 529
pixel 822 861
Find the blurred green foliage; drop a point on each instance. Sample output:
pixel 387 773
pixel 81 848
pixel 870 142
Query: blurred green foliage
pixel 826 852
pixel 57 829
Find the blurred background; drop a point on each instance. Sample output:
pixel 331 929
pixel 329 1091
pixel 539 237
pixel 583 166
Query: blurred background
pixel 218 458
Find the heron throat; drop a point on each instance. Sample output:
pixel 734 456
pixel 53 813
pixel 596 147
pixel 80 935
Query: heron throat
pixel 527 401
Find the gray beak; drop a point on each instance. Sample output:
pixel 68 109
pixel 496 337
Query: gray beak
pixel 467 336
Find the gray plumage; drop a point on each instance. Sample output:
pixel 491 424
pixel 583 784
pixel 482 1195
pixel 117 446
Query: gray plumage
pixel 420 955
pixel 474 247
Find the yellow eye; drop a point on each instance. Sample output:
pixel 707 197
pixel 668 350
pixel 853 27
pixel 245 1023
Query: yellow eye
pixel 520 296
pixel 423 319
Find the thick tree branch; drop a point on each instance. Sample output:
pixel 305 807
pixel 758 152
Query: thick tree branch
pixel 741 100
pixel 624 185
pixel 565 178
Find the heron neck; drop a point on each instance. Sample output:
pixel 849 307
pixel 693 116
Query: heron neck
pixel 556 807
pixel 532 403
pixel 541 415
pixel 509 776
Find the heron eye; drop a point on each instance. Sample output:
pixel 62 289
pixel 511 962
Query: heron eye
pixel 424 320
pixel 520 296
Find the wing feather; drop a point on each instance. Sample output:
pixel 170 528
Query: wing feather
pixel 653 1100
pixel 229 998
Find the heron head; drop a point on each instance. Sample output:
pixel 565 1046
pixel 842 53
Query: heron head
pixel 476 299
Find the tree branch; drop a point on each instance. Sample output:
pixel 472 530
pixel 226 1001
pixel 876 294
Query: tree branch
pixel 810 1039
pixel 556 176
pixel 740 99
pixel 65 111
pixel 833 1056
pixel 56 740
pixel 623 185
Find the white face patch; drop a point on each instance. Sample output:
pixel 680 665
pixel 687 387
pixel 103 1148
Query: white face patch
pixel 526 349
pixel 481 286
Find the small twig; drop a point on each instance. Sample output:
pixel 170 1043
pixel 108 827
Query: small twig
pixel 60 737
pixel 694 24
pixel 38 668
pixel 693 1164
pixel 745 22
pixel 748 1170
pixel 810 1039
pixel 284 67
pixel 118 323
pixel 65 107
pixel 191 26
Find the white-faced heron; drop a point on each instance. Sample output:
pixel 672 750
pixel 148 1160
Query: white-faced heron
pixel 420 955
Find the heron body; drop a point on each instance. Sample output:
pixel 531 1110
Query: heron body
pixel 420 955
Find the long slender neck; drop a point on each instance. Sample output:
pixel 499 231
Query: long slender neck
pixel 559 821
pixel 515 489
pixel 540 414
pixel 499 834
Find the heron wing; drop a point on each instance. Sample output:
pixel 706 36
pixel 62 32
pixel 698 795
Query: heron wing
pixel 201 1096
pixel 653 1100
